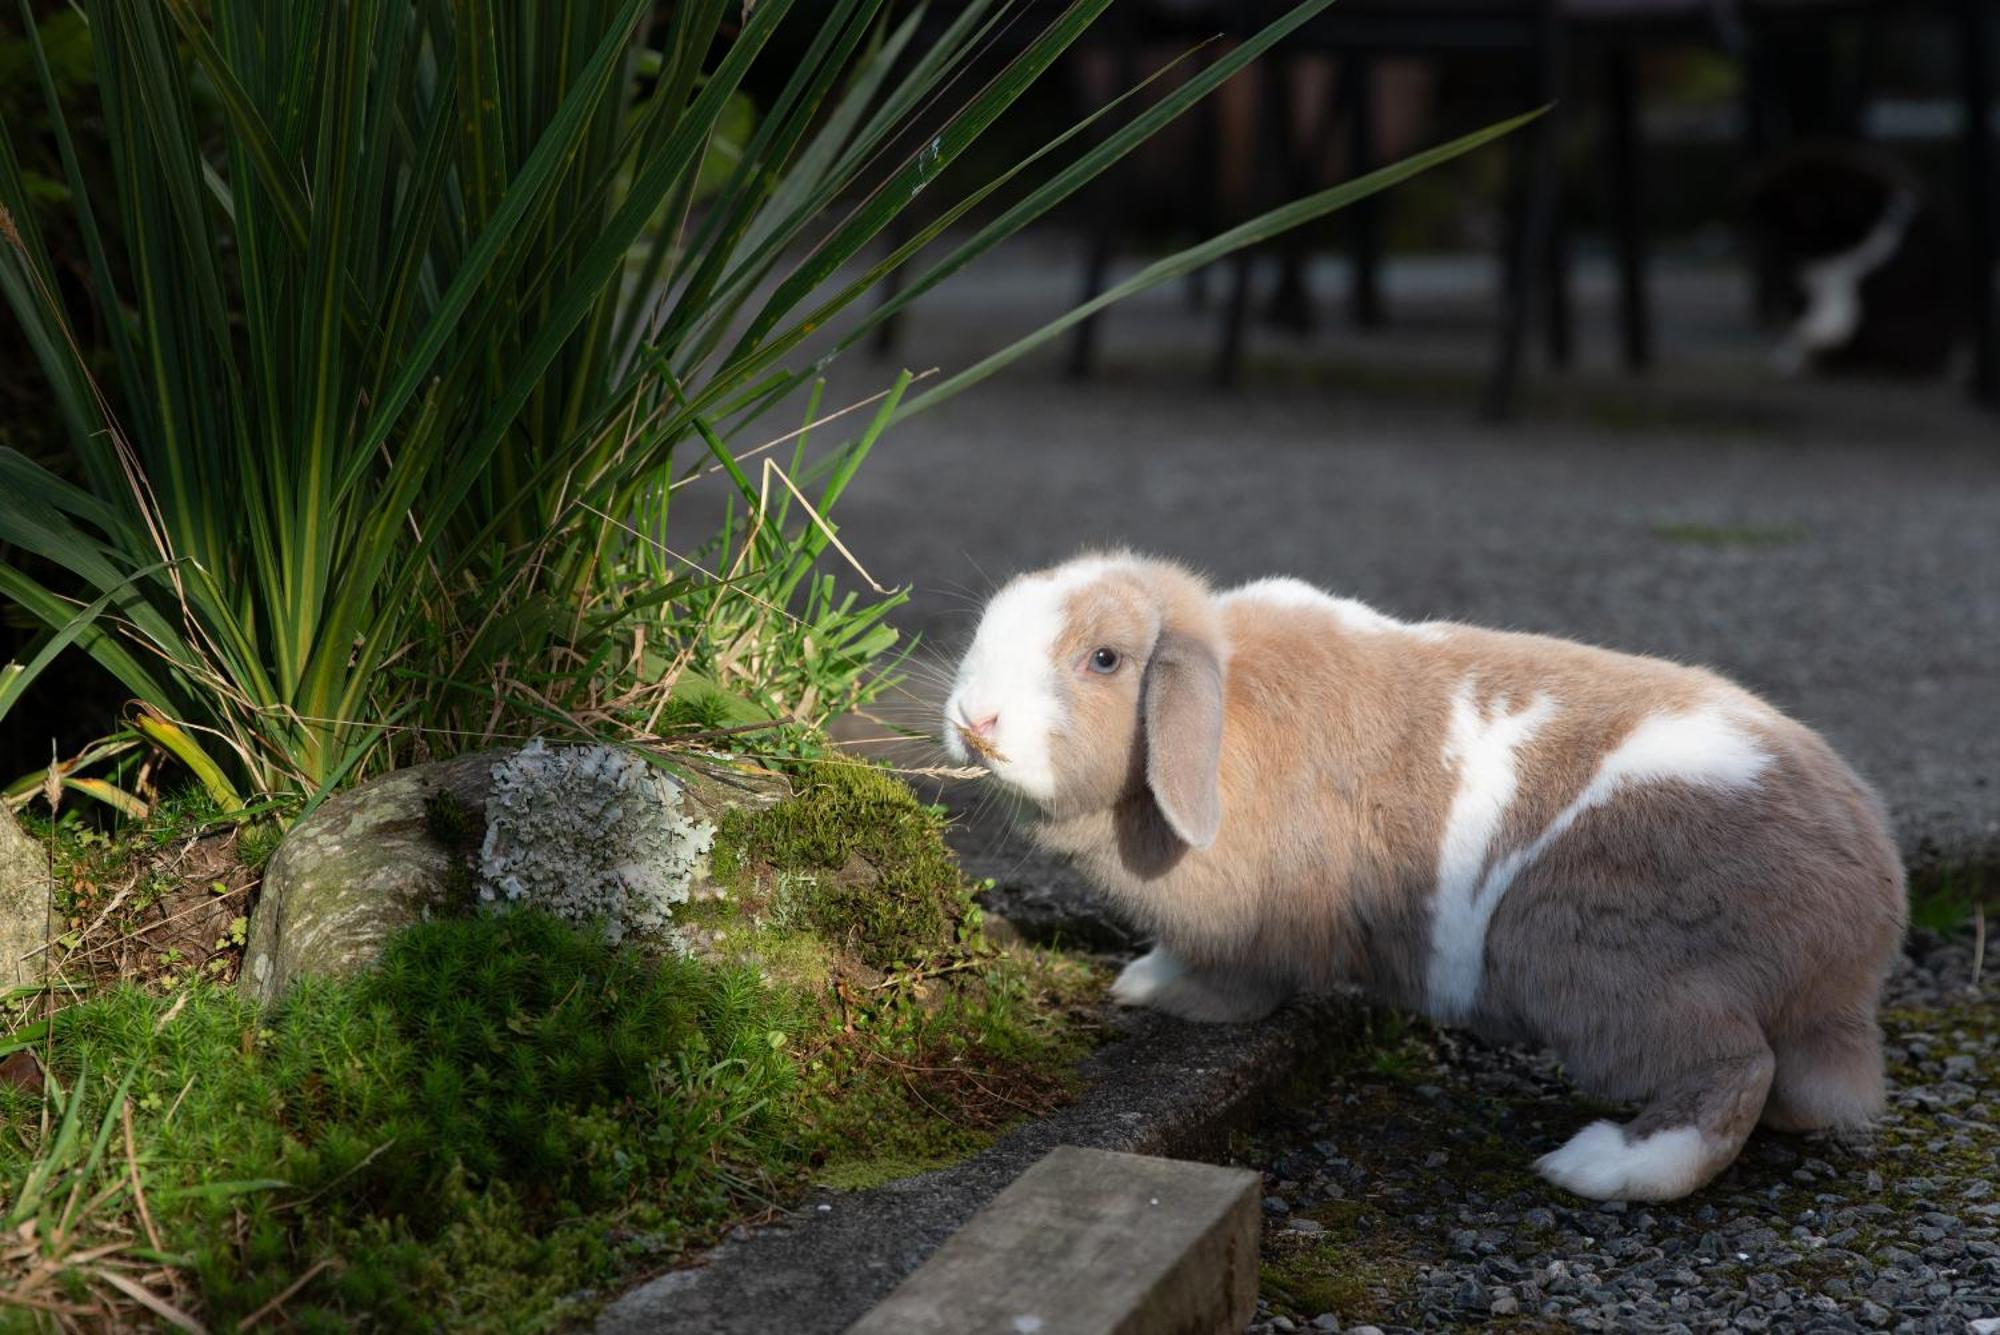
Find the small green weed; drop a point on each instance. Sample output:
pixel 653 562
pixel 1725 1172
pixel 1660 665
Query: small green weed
pixel 1731 535
pixel 1944 901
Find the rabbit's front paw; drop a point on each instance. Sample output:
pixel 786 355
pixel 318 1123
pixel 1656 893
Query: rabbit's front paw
pixel 1162 981
pixel 1144 979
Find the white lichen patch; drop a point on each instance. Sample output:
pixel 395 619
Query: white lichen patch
pixel 591 834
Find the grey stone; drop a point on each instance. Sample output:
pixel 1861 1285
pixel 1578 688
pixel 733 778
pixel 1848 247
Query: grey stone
pixel 1087 1242
pixel 25 888
pixel 364 864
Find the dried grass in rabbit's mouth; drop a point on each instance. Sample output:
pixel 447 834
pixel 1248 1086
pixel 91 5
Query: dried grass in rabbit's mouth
pixel 979 746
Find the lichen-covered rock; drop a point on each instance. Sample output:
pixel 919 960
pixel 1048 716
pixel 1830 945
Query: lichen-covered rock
pixel 369 862
pixel 590 832
pixel 24 904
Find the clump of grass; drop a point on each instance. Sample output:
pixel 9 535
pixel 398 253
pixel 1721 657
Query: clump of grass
pixel 1350 1267
pixel 1947 900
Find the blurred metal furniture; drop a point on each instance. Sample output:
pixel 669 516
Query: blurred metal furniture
pixel 1546 41
pixel 1527 32
pixel 1543 41
pixel 1536 38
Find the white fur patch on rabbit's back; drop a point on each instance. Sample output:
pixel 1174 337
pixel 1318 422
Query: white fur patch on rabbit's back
pixel 1352 614
pixel 1708 745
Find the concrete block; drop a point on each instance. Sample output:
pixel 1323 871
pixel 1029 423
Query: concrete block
pixel 1090 1242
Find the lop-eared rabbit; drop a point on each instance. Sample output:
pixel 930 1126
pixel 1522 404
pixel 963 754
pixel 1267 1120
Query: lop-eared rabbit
pixel 1685 893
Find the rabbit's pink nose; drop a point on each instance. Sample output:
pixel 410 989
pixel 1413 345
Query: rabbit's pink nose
pixel 985 726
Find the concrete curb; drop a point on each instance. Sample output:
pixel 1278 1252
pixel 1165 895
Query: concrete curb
pixel 1090 1242
pixel 1166 1088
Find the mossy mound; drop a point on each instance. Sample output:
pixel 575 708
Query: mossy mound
pixel 853 858
pixel 508 1116
pixel 509 1109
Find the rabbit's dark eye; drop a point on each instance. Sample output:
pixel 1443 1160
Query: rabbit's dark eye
pixel 1104 661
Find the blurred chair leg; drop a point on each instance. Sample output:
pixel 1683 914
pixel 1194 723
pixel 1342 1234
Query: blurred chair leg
pixel 1628 208
pixel 1357 91
pixel 1269 119
pixel 1766 283
pixel 1104 211
pixel 1975 47
pixel 1096 268
pixel 1235 320
pixel 1206 212
pixel 1300 140
pixel 1514 312
pixel 1558 334
pixel 889 333
pixel 1536 170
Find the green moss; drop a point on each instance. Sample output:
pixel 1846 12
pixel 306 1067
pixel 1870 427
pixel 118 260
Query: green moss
pixel 878 879
pixel 694 709
pixel 861 1173
pixel 458 1127
pixel 1355 1266
pixel 459 829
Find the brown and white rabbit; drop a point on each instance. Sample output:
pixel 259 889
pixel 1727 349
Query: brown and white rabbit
pixel 1685 893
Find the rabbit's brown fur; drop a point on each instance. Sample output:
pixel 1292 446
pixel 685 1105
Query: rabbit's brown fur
pixel 1685 893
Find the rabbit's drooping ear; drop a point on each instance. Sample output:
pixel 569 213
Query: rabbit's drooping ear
pixel 1183 716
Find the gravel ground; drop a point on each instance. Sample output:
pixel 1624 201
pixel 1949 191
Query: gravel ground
pixel 1398 1195
pixel 1830 546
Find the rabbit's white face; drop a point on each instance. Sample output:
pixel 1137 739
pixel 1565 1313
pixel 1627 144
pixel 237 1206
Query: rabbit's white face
pixel 1011 692
pixel 1092 683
